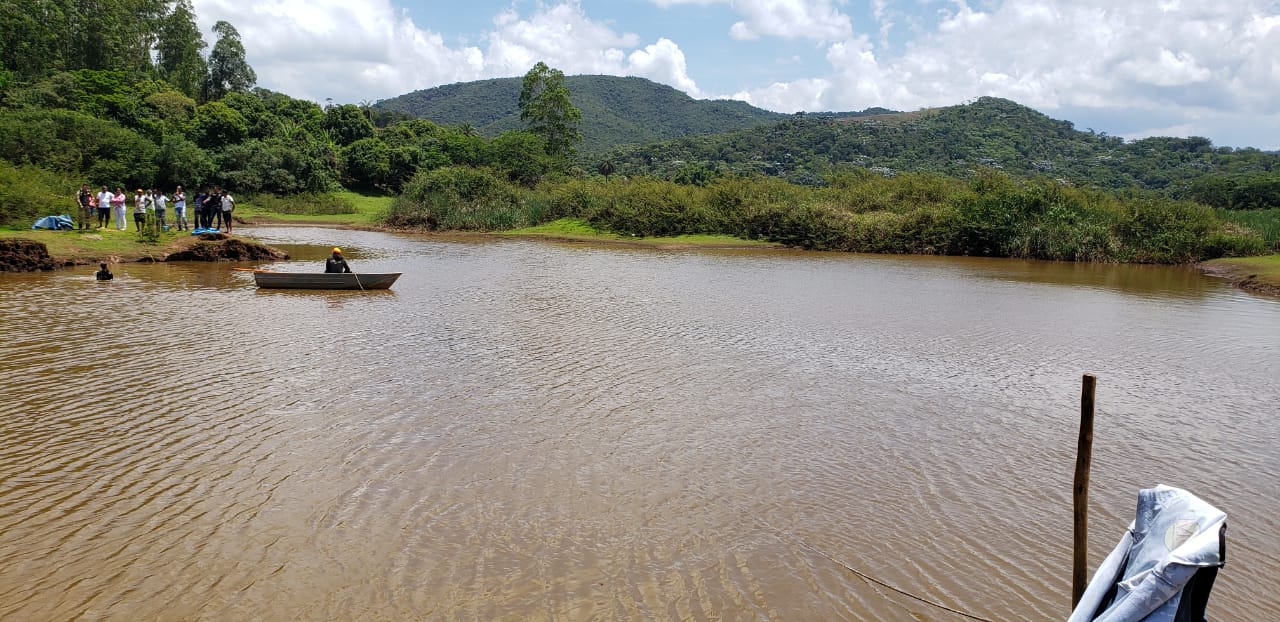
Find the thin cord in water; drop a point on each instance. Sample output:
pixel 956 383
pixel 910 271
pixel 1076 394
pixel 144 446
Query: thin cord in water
pixel 782 535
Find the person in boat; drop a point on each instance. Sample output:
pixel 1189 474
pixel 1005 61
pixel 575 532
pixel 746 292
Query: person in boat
pixel 336 263
pixel 103 274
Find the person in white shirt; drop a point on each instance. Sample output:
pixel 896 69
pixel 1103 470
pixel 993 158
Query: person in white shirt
pixel 104 207
pixel 180 209
pixel 228 204
pixel 141 202
pixel 159 201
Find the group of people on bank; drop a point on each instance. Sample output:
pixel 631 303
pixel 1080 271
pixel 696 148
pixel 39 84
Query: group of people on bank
pixel 212 208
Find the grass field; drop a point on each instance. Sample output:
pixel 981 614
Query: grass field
pixel 577 230
pixel 369 210
pixel 97 244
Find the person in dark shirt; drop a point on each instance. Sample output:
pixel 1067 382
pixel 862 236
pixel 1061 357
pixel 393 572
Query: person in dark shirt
pixel 103 274
pixel 336 263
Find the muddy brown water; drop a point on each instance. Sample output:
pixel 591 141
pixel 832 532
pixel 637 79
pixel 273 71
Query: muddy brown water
pixel 528 430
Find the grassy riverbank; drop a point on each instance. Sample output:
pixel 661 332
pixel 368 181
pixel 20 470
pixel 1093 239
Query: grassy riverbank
pixel 1259 274
pixel 95 245
pixel 574 230
pixel 337 209
pixel 346 209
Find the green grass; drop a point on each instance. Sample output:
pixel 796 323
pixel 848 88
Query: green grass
pixel 95 244
pixel 1264 270
pixel 575 229
pixel 1265 221
pixel 369 210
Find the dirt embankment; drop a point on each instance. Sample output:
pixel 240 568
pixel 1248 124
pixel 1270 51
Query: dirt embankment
pixel 220 247
pixel 21 255
pixel 25 256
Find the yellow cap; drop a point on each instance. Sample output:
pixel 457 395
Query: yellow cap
pixel 337 250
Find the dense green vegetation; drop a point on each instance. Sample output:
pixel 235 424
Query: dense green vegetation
pixel 615 110
pixel 959 140
pixel 146 107
pixel 991 214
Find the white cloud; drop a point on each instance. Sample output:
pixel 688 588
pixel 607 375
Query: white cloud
pixel 1186 59
pixel 345 50
pixel 355 50
pixel 787 19
pixel 1210 65
pixel 561 36
pixel 663 62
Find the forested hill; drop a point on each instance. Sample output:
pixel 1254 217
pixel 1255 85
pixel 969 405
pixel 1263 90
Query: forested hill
pixel 615 110
pixel 986 133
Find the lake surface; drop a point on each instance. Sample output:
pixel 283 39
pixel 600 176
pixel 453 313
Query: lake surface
pixel 529 430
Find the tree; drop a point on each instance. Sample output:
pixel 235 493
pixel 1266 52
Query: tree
pixel 178 49
pixel 218 125
pixel 546 108
pixel 346 124
pixel 228 70
pixel 366 164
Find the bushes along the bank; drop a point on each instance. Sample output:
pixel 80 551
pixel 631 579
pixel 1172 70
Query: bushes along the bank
pixel 989 215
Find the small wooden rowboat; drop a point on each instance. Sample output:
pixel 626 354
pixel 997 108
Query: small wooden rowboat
pixel 323 280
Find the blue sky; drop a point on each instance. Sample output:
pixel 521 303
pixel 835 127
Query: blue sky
pixel 1133 69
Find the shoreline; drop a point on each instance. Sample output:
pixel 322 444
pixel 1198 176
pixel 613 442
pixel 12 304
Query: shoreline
pixel 1260 275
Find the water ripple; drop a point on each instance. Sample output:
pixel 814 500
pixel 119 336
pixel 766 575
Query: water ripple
pixel 530 431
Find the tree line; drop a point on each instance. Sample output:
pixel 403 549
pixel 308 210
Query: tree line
pixel 121 92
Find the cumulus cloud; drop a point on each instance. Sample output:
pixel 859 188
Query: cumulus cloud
pixel 787 19
pixel 1189 56
pixel 364 50
pixel 343 50
pixel 1206 65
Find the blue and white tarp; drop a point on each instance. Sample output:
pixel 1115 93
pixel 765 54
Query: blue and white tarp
pixel 62 222
pixel 1151 576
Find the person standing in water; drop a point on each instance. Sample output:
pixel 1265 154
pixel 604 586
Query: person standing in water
pixel 336 263
pixel 103 274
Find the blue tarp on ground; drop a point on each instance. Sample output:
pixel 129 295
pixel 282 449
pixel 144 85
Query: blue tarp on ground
pixel 62 222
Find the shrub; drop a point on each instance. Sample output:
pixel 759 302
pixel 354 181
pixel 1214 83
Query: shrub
pixel 459 198
pixel 28 192
pixel 307 204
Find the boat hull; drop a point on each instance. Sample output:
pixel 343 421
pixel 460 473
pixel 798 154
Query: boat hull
pixel 323 280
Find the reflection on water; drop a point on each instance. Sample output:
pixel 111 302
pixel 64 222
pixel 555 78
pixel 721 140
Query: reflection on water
pixel 523 430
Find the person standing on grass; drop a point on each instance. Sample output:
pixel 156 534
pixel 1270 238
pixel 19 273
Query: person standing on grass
pixel 160 202
pixel 197 204
pixel 104 207
pixel 213 205
pixel 84 201
pixel 228 204
pixel 180 208
pixel 117 205
pixel 141 201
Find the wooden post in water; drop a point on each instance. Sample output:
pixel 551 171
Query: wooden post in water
pixel 1080 498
